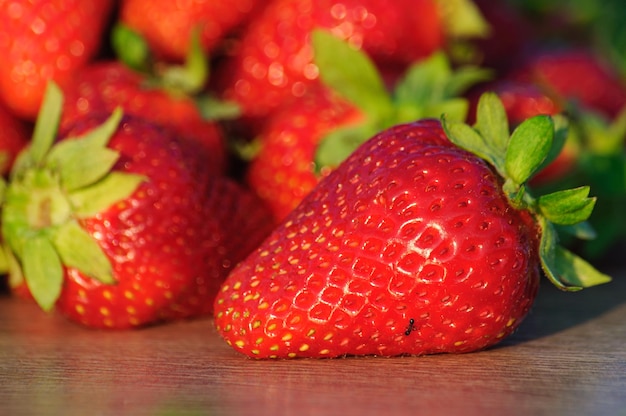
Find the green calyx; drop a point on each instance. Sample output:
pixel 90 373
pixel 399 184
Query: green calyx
pixel 52 187
pixel 429 88
pixel 517 156
pixel 186 79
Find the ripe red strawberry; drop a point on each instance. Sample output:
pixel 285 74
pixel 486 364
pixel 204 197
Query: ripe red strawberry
pixel 575 75
pixel 14 137
pixel 43 40
pixel 411 246
pixel 306 138
pixel 273 62
pixel 113 224
pixel 241 222
pixel 167 26
pixel 105 85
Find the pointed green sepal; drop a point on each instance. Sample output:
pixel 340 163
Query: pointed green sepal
pixel 583 230
pixel 528 147
pixel 351 73
pixel 78 249
pixel 16 277
pixel 567 207
pixel 115 187
pixel 4 261
pixel 492 123
pixel 564 269
pixel 43 270
pixel 86 159
pixel 213 109
pixel 46 124
pixel 560 137
pixel 432 87
pixel 191 77
pixel 469 139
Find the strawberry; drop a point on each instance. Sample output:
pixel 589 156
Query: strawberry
pixel 112 225
pixel 575 74
pixel 241 221
pixel 413 245
pixel 305 139
pixel 15 136
pixel 273 62
pixel 167 26
pixel 43 40
pixel 105 85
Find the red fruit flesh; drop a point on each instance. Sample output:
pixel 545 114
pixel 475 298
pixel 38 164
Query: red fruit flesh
pixel 409 247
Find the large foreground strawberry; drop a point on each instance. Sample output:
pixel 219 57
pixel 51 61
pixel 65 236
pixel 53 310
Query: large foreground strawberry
pixel 411 246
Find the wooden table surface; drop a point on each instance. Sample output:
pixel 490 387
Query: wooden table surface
pixel 567 358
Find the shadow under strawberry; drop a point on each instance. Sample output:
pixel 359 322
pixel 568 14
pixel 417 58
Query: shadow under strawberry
pixel 556 311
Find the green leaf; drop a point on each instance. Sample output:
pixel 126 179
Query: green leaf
pixel 432 82
pixel 42 270
pixel 528 147
pixel 79 171
pixel 564 269
pixel 576 272
pixel 4 261
pixel 131 48
pixel 16 276
pixel 351 74
pixel 336 146
pixel 469 139
pixel 96 198
pixel 47 123
pixel 463 19
pixel 81 251
pixel 213 109
pixel 453 109
pixel 424 81
pixel 582 230
pixel 567 207
pixel 492 123
pixel 86 159
pixel 561 135
pixel 191 77
pixel 465 77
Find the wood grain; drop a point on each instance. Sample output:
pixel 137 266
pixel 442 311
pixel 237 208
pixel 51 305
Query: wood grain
pixel 567 358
